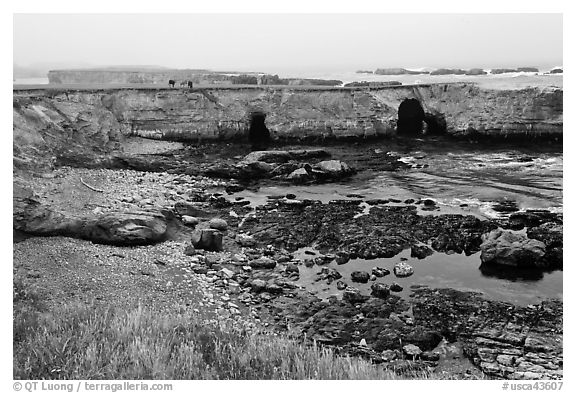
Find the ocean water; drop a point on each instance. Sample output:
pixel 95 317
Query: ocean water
pixel 462 178
pixel 517 80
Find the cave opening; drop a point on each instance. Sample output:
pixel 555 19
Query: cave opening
pixel 410 117
pixel 435 123
pixel 258 133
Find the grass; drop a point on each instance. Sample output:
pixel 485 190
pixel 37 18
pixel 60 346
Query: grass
pixel 80 341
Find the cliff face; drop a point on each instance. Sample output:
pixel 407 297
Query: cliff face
pixel 48 120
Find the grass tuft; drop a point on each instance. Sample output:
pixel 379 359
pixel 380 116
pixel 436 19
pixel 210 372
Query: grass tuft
pixel 79 341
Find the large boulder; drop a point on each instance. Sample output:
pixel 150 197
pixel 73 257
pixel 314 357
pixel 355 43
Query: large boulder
pixel 402 269
pixel 299 175
pixel 207 239
pixel 269 156
pixel 283 156
pixel 353 295
pixel 508 248
pixel 334 168
pixel 361 277
pixel 218 223
pixel 380 290
pixel 118 228
pixel 262 263
pixel 133 228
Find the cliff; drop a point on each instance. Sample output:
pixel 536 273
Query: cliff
pixel 49 120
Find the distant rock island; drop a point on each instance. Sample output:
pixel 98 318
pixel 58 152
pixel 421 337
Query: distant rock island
pixel 451 71
pixel 398 71
pixel 373 84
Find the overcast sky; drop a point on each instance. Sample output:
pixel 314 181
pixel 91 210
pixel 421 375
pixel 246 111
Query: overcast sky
pixel 269 42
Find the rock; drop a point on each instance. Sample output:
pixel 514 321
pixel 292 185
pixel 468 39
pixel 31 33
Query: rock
pixel 531 218
pixel 328 273
pixel 551 234
pixel 208 239
pixel 200 269
pixel 476 71
pixel 389 354
pixel 299 175
pixel 380 271
pixel 412 350
pixel 341 285
pixel 361 277
pixel 334 168
pixel 258 285
pixel 254 170
pixel 190 250
pixel 218 223
pixel 398 71
pixel 135 228
pixel 448 71
pixel 505 207
pixel 395 287
pixel 511 249
pixel 420 252
pixel 352 295
pixel 227 273
pixel 291 268
pixel 190 221
pixel 290 196
pixel 269 156
pixel 245 240
pixel 342 257
pixel 262 263
pixel 274 289
pixel 320 260
pixel 192 209
pixel 429 202
pixel 402 269
pixel 527 69
pixel 379 290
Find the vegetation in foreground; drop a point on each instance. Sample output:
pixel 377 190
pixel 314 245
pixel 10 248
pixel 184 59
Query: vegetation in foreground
pixel 79 341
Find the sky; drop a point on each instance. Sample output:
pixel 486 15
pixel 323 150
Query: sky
pixel 278 42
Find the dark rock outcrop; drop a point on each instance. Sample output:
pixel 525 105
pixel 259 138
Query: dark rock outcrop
pixel 380 290
pixel 361 277
pixel 551 234
pixel 448 71
pixel 420 252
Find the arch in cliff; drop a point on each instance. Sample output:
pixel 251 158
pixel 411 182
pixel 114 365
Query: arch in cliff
pixel 258 133
pixel 435 123
pixel 413 120
pixel 410 117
